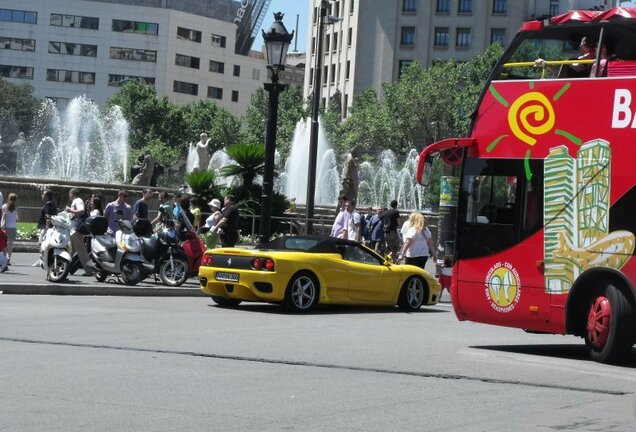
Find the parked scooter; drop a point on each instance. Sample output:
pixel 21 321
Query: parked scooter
pixel 119 256
pixel 162 254
pixel 55 250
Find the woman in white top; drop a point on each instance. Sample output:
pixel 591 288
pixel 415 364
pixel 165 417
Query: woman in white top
pixel 418 242
pixel 9 222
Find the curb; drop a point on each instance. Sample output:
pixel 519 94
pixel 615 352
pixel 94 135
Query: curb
pixel 87 290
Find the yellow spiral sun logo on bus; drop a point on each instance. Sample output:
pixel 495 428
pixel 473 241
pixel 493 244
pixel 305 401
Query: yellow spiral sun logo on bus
pixel 503 287
pixel 531 116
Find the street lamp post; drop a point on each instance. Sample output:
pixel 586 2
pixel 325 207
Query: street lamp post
pixel 315 108
pixel 277 41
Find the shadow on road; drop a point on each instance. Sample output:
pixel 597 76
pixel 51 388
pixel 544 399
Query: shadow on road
pixel 565 351
pixel 327 309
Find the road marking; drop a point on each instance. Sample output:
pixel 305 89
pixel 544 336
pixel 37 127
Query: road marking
pixel 323 366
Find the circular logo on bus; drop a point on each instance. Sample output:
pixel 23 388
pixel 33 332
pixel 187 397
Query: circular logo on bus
pixel 503 287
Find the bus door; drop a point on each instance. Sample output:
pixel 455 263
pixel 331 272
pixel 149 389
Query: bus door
pixel 499 269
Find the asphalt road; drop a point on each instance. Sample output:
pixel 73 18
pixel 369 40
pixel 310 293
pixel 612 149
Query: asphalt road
pixel 164 364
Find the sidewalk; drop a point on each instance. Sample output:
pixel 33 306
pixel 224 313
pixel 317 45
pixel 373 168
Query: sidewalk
pixel 22 278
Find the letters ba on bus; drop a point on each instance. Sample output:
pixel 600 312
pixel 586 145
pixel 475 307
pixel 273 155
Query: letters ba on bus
pixel 545 226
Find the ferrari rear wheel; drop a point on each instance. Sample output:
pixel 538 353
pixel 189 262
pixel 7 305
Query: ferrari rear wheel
pixel 302 292
pixel 225 302
pixel 412 294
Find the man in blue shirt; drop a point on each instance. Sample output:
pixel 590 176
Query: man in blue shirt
pixel 116 210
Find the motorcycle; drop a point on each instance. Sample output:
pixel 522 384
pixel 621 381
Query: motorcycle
pixel 56 250
pixel 119 256
pixel 162 254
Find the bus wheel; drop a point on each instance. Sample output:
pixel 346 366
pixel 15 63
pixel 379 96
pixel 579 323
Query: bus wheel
pixel 609 333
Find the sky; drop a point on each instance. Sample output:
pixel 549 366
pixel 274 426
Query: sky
pixel 290 8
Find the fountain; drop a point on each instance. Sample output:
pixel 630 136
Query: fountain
pixel 379 182
pixel 79 144
pixel 327 177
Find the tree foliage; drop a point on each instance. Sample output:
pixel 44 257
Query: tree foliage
pixel 152 117
pixel 18 108
pixel 290 111
pixel 249 161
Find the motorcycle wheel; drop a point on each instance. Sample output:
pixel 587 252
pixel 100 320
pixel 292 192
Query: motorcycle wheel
pixel 132 272
pixel 174 272
pixel 58 269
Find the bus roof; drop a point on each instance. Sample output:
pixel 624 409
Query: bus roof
pixel 583 16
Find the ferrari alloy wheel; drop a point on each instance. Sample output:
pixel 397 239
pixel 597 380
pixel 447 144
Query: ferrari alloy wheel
pixel 609 331
pixel 58 269
pixel 412 294
pixel 302 292
pixel 225 302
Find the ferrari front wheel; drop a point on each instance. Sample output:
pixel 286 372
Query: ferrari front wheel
pixel 412 294
pixel 302 292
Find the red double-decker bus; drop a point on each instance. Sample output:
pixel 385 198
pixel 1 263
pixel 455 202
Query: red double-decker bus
pixel 546 202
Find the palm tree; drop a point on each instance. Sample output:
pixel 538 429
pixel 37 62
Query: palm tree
pixel 249 161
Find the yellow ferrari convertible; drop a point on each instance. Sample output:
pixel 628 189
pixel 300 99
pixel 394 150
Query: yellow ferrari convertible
pixel 300 272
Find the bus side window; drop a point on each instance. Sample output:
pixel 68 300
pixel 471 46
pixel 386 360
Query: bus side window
pixel 533 216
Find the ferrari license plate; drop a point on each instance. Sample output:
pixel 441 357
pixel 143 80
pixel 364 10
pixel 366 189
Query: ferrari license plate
pixel 230 277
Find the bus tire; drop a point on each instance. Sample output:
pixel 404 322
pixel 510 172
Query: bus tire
pixel 609 331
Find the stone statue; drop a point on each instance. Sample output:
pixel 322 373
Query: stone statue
pixel 202 153
pixel 20 143
pixel 146 170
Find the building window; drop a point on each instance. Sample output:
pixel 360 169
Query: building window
pixel 237 70
pixel 465 6
pixel 73 49
pixel 184 87
pixel 119 80
pixel 554 7
pixel 215 93
pixel 499 7
pixel 315 15
pixel 463 38
pixel 235 95
pixel 256 74
pixel 351 7
pixel 335 9
pixel 218 67
pixel 22 72
pixel 335 42
pixel 348 69
pixel 443 6
pixel 333 74
pixel 133 54
pixel 403 65
pixel 18 16
pixel 409 6
pixel 408 36
pixel 218 40
pixel 60 102
pixel 188 34
pixel 187 61
pixel 17 44
pixel 325 74
pixel 74 21
pixel 441 36
pixel 327 43
pixel 498 36
pixel 349 36
pixel 135 27
pixel 311 76
pixel 70 76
